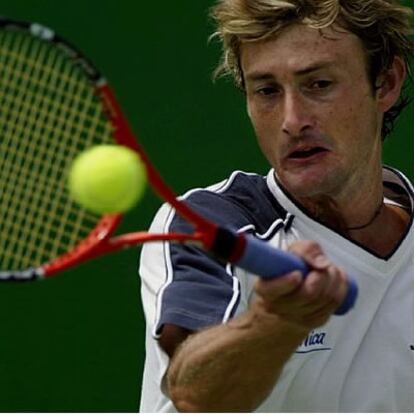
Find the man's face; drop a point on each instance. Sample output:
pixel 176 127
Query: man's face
pixel 316 117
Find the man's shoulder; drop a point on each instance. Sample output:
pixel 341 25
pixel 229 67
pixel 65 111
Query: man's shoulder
pixel 241 199
pixel 240 187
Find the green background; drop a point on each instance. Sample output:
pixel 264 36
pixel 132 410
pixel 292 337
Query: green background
pixel 75 343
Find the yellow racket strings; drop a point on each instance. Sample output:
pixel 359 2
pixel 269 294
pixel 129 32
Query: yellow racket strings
pixel 48 114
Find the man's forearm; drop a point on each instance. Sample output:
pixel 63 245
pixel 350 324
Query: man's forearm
pixel 232 367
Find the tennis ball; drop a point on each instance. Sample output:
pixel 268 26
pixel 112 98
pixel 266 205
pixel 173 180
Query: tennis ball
pixel 107 179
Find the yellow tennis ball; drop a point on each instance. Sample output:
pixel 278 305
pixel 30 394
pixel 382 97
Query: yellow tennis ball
pixel 107 179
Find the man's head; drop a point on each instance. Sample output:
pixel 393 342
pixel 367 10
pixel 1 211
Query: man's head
pixel 321 79
pixel 383 26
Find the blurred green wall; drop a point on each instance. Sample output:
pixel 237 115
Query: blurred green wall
pixel 75 343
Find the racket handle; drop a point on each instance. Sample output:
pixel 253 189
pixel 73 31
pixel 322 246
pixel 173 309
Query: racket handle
pixel 259 257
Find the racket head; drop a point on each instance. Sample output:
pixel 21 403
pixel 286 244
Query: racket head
pixel 51 111
pixel 57 104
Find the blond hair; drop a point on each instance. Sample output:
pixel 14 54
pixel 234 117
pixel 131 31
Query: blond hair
pixel 383 26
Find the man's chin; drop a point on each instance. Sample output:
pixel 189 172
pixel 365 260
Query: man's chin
pixel 306 185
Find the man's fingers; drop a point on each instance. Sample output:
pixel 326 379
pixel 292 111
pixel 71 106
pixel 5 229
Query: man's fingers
pixel 273 289
pixel 312 253
pixel 306 300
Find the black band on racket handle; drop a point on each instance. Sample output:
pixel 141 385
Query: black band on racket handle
pixel 258 257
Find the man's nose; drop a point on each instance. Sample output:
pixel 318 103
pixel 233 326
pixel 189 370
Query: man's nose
pixel 296 114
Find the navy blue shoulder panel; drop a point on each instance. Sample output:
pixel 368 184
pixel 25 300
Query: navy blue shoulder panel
pixel 201 291
pixel 242 200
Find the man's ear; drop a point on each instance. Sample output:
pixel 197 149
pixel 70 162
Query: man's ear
pixel 248 110
pixel 389 84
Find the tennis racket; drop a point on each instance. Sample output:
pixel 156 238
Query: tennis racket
pixel 54 105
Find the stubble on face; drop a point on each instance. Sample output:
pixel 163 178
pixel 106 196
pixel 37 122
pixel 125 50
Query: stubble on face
pixel 340 124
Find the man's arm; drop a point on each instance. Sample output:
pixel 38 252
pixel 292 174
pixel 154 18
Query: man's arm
pixel 234 367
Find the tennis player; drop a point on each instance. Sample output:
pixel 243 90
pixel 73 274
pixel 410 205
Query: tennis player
pixel 323 81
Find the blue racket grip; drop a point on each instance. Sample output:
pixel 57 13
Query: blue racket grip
pixel 268 262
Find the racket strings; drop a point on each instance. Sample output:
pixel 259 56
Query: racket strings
pixel 49 114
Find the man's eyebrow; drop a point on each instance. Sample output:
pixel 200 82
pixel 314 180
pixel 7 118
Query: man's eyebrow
pixel 260 76
pixel 315 68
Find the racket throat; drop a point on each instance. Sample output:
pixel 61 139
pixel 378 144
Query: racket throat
pixel 228 245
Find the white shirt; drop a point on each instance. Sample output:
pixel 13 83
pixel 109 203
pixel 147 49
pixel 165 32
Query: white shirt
pixel 360 362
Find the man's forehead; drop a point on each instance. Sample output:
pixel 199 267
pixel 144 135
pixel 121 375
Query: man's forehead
pixel 304 69
pixel 299 48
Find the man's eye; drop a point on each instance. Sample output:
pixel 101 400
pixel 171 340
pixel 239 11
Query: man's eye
pixel 267 91
pixel 321 84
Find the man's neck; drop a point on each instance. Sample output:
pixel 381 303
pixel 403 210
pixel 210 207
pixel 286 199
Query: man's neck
pixel 364 218
pixel 385 233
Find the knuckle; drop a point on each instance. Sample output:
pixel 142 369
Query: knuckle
pixel 312 245
pixel 305 246
pixel 323 285
pixel 276 287
pixel 311 252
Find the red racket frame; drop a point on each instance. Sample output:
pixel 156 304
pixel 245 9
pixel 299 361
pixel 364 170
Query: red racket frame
pixel 99 241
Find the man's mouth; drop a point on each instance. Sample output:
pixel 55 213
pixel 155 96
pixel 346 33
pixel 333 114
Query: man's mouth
pixel 306 153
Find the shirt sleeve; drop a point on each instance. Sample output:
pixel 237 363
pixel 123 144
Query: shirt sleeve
pixel 190 288
pixel 186 286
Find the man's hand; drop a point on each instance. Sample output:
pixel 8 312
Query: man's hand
pixel 233 367
pixel 307 302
